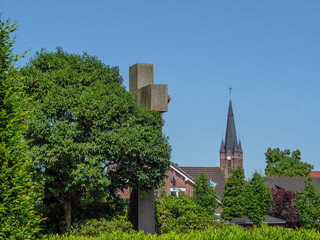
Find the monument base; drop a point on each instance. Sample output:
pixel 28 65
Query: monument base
pixel 142 211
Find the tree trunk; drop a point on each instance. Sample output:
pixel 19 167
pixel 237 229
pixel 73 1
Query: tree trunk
pixel 66 225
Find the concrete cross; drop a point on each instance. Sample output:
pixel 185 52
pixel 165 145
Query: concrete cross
pixel 152 97
pixel 149 95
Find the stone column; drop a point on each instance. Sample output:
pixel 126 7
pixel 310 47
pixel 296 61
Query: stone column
pixel 152 97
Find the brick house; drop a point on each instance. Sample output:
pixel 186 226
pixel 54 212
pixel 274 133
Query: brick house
pixel 181 179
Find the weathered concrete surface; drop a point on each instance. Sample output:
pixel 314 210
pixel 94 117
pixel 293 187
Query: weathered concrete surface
pixel 152 97
pixel 149 95
pixel 140 75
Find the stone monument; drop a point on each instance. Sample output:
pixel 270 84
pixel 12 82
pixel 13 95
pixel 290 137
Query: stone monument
pixel 152 97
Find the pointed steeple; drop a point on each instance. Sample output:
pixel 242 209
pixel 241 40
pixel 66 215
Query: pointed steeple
pixel 222 149
pixel 240 147
pixel 231 136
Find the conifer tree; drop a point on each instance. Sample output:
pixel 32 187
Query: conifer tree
pixel 234 198
pixel 258 200
pixel 308 203
pixel 204 194
pixel 18 218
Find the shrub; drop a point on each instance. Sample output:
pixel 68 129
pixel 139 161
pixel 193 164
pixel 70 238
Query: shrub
pixel 230 233
pixel 96 227
pixel 181 214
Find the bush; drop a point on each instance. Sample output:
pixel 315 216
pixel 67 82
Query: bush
pixel 96 227
pixel 181 214
pixel 230 233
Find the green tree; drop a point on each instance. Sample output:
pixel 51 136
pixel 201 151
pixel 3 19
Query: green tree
pixel 234 198
pixel 281 164
pixel 259 199
pixel 18 217
pixel 204 194
pixel 308 203
pixel 84 124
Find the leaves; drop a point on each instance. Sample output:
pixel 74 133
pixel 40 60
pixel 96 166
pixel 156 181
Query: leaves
pixel 205 195
pixel 280 164
pixel 234 198
pixel 283 206
pixel 308 203
pixel 79 110
pixel 18 193
pixel 258 200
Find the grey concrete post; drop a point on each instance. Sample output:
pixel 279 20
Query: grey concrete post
pixel 152 97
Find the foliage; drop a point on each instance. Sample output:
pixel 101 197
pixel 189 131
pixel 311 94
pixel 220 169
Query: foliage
pixel 234 198
pixel 281 164
pixel 308 203
pixel 96 227
pixel 226 233
pixel 18 217
pixel 85 123
pixel 112 207
pixel 259 199
pixel 181 214
pixel 283 206
pixel 204 194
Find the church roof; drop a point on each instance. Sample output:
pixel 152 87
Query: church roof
pixel 231 135
pixel 240 147
pixel 214 174
pixel 222 148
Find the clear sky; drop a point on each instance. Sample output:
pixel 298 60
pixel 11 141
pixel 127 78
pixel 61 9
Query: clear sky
pixel 269 51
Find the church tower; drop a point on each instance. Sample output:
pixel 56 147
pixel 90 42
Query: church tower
pixel 231 155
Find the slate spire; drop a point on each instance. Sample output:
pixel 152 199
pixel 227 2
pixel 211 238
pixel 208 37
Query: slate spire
pixel 240 147
pixel 231 135
pixel 222 149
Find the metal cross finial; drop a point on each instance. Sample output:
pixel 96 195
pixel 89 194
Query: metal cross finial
pixel 230 89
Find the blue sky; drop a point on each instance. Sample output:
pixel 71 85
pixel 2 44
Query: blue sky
pixel 268 51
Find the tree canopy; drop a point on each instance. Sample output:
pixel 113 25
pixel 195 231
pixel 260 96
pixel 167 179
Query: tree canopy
pixel 234 198
pixel 18 217
pixel 88 134
pixel 308 203
pixel 204 194
pixel 258 200
pixel 283 206
pixel 281 164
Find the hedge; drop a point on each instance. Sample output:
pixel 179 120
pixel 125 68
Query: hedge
pixel 233 232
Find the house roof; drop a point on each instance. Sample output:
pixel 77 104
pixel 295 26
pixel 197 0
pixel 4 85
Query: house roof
pixel 214 174
pixel 315 174
pixel 269 220
pixel 183 173
pixel 289 183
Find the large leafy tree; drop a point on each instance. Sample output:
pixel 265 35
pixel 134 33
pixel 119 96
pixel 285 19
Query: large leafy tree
pixel 283 206
pixel 282 164
pixel 259 199
pixel 204 194
pixel 18 218
pixel 308 203
pixel 234 197
pixel 86 124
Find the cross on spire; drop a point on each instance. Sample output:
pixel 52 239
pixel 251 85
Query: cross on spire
pixel 230 89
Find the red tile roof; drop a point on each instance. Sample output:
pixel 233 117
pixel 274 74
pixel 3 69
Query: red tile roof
pixel 315 174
